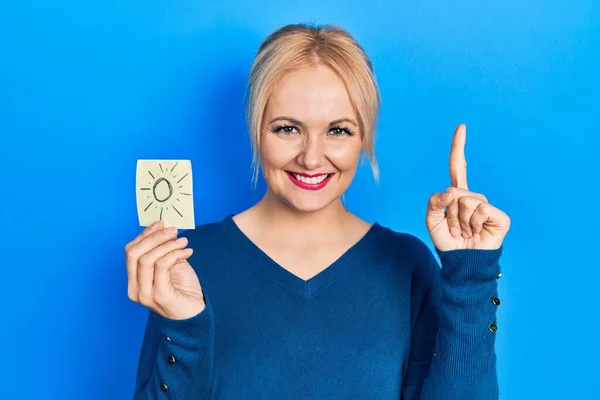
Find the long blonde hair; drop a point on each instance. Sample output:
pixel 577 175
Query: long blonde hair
pixel 298 45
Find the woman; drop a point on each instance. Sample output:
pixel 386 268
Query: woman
pixel 300 298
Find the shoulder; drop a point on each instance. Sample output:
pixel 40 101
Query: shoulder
pixel 208 238
pixel 205 230
pixel 404 245
pixel 408 251
pixel 212 246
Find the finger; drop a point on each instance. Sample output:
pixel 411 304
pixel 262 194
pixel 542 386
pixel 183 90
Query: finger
pixel 466 208
pixel 452 213
pixel 463 192
pixel 162 272
pixel 497 222
pixel 152 228
pixel 147 263
pixel 153 238
pixel 480 217
pixel 131 259
pixel 435 208
pixel 458 163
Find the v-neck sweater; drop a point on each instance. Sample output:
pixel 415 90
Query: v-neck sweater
pixel 383 321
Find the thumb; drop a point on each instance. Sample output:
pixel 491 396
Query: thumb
pixel 435 209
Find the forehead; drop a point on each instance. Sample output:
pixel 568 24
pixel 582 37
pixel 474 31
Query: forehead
pixel 312 95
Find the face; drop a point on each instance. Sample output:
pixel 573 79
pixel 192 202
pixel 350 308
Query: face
pixel 310 139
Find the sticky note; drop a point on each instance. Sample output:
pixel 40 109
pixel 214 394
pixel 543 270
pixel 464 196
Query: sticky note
pixel 164 192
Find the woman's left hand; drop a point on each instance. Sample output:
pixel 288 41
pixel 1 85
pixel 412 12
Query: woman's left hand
pixel 469 222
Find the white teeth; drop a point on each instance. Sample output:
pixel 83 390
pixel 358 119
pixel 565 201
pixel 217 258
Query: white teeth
pixel 311 181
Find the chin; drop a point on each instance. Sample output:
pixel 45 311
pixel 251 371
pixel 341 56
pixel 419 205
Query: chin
pixel 303 204
pixel 308 202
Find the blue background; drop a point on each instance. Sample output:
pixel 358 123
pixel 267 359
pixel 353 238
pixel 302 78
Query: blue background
pixel 88 87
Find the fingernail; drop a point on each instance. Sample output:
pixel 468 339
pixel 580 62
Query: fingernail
pixel 445 196
pixel 455 231
pixel 156 225
pixel 181 240
pixel 170 230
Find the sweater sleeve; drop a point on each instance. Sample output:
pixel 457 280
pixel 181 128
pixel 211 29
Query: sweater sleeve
pixel 452 349
pixel 176 357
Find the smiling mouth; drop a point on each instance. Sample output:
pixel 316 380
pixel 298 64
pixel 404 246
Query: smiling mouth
pixel 310 182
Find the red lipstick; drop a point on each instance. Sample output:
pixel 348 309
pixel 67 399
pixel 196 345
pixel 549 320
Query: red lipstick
pixel 309 186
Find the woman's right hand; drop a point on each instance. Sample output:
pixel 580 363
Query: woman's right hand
pixel 159 275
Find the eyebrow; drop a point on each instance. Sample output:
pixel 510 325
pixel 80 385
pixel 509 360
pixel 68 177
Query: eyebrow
pixel 296 122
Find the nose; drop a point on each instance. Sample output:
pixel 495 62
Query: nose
pixel 313 153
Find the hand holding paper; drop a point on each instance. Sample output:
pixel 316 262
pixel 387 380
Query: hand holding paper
pixel 158 272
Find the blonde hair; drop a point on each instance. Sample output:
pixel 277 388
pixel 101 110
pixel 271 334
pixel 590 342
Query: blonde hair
pixel 298 45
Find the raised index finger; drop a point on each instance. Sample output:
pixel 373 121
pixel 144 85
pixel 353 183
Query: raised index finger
pixel 458 163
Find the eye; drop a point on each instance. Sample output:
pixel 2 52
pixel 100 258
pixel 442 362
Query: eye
pixel 287 129
pixel 340 131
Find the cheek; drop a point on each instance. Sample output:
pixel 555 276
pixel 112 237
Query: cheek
pixel 277 153
pixel 344 156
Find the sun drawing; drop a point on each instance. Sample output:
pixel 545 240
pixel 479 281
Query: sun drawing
pixel 164 190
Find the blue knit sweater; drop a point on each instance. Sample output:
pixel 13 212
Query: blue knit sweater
pixel 381 322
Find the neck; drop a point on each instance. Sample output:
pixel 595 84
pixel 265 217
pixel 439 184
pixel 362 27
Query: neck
pixel 280 217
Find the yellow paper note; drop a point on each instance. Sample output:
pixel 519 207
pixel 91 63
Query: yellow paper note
pixel 164 192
